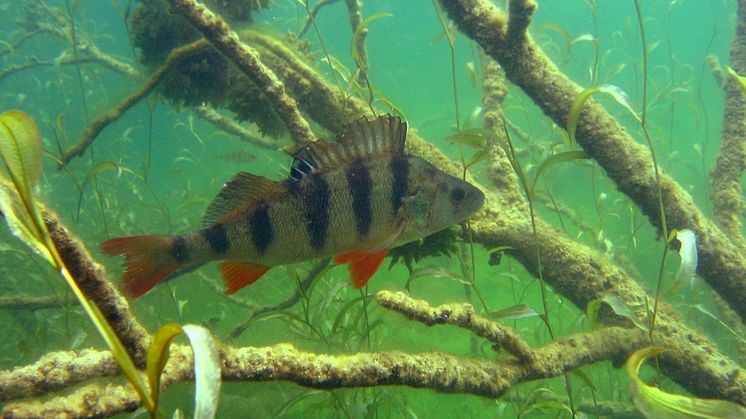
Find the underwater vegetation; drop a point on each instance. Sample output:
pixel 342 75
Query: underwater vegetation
pixel 610 233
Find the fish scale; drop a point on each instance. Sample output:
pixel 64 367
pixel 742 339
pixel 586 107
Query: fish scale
pixel 353 199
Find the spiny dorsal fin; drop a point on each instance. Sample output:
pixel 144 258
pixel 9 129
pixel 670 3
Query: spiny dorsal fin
pixel 361 139
pixel 241 191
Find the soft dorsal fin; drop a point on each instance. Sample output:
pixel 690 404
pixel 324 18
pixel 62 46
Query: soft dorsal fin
pixel 241 191
pixel 361 139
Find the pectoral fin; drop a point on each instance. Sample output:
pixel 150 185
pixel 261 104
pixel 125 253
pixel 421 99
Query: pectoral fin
pixel 238 274
pixel 362 265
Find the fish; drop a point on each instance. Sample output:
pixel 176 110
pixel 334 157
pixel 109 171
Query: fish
pixel 353 198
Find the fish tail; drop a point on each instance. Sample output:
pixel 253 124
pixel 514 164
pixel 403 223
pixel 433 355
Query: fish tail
pixel 148 260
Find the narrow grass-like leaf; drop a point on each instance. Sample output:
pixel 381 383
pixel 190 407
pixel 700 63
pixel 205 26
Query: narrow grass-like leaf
pixel 94 171
pixel 701 309
pixel 554 159
pixel 655 403
pixel 356 53
pixel 207 375
pixel 342 312
pixel 437 272
pixel 516 312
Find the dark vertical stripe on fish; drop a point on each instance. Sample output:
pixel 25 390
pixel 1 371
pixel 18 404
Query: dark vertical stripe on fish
pixel 179 250
pixel 261 228
pixel 217 238
pixel 400 172
pixel 358 178
pixel 293 186
pixel 316 202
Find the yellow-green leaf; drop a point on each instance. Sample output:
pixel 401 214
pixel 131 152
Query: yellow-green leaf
pixel 655 403
pixel 614 91
pixel 739 79
pixel 21 151
pixel 158 355
pixel 207 373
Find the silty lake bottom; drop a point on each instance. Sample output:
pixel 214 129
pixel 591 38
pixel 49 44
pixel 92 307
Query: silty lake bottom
pixel 606 137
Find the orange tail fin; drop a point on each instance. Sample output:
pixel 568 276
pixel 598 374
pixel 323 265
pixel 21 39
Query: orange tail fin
pixel 147 261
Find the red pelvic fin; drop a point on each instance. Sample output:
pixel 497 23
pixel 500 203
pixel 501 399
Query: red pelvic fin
pixel 146 260
pixel 238 274
pixel 362 265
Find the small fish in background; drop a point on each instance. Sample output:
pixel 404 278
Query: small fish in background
pixel 354 199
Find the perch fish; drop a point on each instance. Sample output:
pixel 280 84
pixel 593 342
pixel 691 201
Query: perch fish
pixel 354 199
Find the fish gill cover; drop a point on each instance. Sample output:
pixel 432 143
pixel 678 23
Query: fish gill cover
pixel 612 223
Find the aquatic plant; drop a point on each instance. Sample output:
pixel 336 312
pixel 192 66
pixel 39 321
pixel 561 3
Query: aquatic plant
pixel 343 339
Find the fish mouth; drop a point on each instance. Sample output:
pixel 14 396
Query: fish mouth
pixel 477 201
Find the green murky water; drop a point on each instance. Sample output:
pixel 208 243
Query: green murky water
pixel 155 171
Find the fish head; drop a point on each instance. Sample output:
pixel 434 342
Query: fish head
pixel 436 200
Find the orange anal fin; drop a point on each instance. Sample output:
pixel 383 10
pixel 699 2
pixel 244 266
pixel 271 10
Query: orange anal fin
pixel 362 265
pixel 238 274
pixel 146 261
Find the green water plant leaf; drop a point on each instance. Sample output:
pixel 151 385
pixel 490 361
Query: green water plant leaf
pixel 516 312
pixel 617 305
pixel 554 159
pixel 206 366
pixel 94 171
pixel 21 153
pixel 357 54
pixel 477 138
pixel 655 403
pixel 741 80
pixel 619 95
pixel 20 150
pixel 437 272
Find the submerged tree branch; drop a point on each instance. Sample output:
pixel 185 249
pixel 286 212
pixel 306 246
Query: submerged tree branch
pixel 731 160
pixel 438 371
pixel 572 269
pixel 102 121
pixel 461 315
pixel 627 163
pixel 247 60
pixel 92 281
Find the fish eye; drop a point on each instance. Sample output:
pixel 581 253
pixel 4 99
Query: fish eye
pixel 458 195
